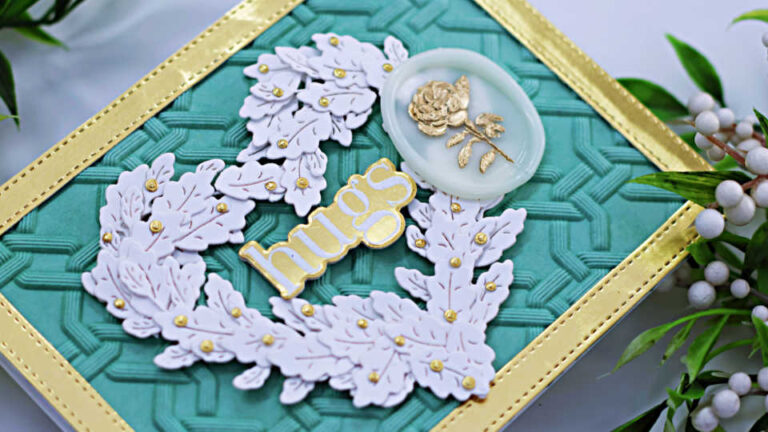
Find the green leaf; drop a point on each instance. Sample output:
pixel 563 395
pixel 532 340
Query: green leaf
pixel 665 106
pixel 39 35
pixel 696 186
pixel 756 15
pixel 756 255
pixel 699 68
pixel 734 240
pixel 728 163
pixel 700 347
pixel 701 252
pixel 762 337
pixel 727 347
pixel 763 121
pixel 726 254
pixel 678 340
pixel 760 425
pixel 7 87
pixel 645 340
pixel 644 421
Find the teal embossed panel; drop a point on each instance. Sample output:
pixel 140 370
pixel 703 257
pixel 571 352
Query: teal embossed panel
pixel 583 220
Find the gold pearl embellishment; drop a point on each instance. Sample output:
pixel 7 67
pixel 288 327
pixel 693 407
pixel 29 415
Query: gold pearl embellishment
pixel 236 312
pixel 468 383
pixel 490 286
pixel 420 243
pixel 362 323
pixel 373 377
pixel 206 346
pixel 481 238
pixel 107 237
pixel 119 303
pixel 449 315
pixel 455 262
pixel 334 40
pixel 151 185
pixel 263 68
pixel 222 207
pixel 399 340
pixel 387 67
pixel 282 143
pixel 339 73
pixel 302 183
pixel 436 365
pixel 155 226
pixel 455 207
pixel 270 186
pixel 308 310
pixel 277 91
pixel 267 339
pixel 324 101
pixel 180 320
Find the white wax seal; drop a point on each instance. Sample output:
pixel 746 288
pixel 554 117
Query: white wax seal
pixel 471 131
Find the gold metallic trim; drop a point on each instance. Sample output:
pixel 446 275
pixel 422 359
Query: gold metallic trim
pixel 26 349
pixel 524 377
pixel 518 382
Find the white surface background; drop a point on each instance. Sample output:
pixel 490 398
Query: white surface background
pixel 113 44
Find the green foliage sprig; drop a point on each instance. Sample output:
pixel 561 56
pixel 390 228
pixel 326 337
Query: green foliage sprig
pixel 14 14
pixel 727 273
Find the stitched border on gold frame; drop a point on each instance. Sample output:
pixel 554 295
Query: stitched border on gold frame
pixel 520 380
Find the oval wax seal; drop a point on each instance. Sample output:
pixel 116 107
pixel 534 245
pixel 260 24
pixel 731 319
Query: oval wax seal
pixel 462 123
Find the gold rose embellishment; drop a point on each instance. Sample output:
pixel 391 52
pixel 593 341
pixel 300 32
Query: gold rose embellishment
pixel 438 105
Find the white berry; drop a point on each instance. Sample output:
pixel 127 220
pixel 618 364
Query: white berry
pixel 748 144
pixel 667 283
pixel 744 129
pixel 716 273
pixel 729 193
pixel 700 102
pixel 701 295
pixel 743 213
pixel 765 39
pixel 757 160
pixel 707 123
pixel 740 383
pixel 704 420
pixel 710 223
pixel 702 142
pixel 760 194
pixel 762 379
pixel 751 119
pixel 726 116
pixel 726 403
pixel 761 312
pixel 739 288
pixel 716 154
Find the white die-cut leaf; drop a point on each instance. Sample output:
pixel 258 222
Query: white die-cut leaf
pixel 502 233
pixel 355 120
pixel 412 281
pixel 252 378
pixel 295 390
pixel 140 327
pixel 316 162
pixel 421 213
pixel 302 198
pixel 297 59
pixel 487 305
pixel 395 51
pixel 302 134
pixel 339 101
pixel 250 181
pixel 175 357
pixel 340 132
pixel 413 235
pixel 258 108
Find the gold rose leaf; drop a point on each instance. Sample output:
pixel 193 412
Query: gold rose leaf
pixel 487 160
pixel 456 139
pixel 466 152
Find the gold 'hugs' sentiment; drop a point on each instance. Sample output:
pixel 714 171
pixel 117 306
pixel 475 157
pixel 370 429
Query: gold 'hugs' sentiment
pixel 366 210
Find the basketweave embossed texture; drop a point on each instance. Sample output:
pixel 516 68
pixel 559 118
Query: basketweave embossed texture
pixel 583 219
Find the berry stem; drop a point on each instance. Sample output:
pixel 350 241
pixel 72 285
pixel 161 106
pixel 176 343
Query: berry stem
pixel 726 148
pixel 762 297
pixel 750 184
